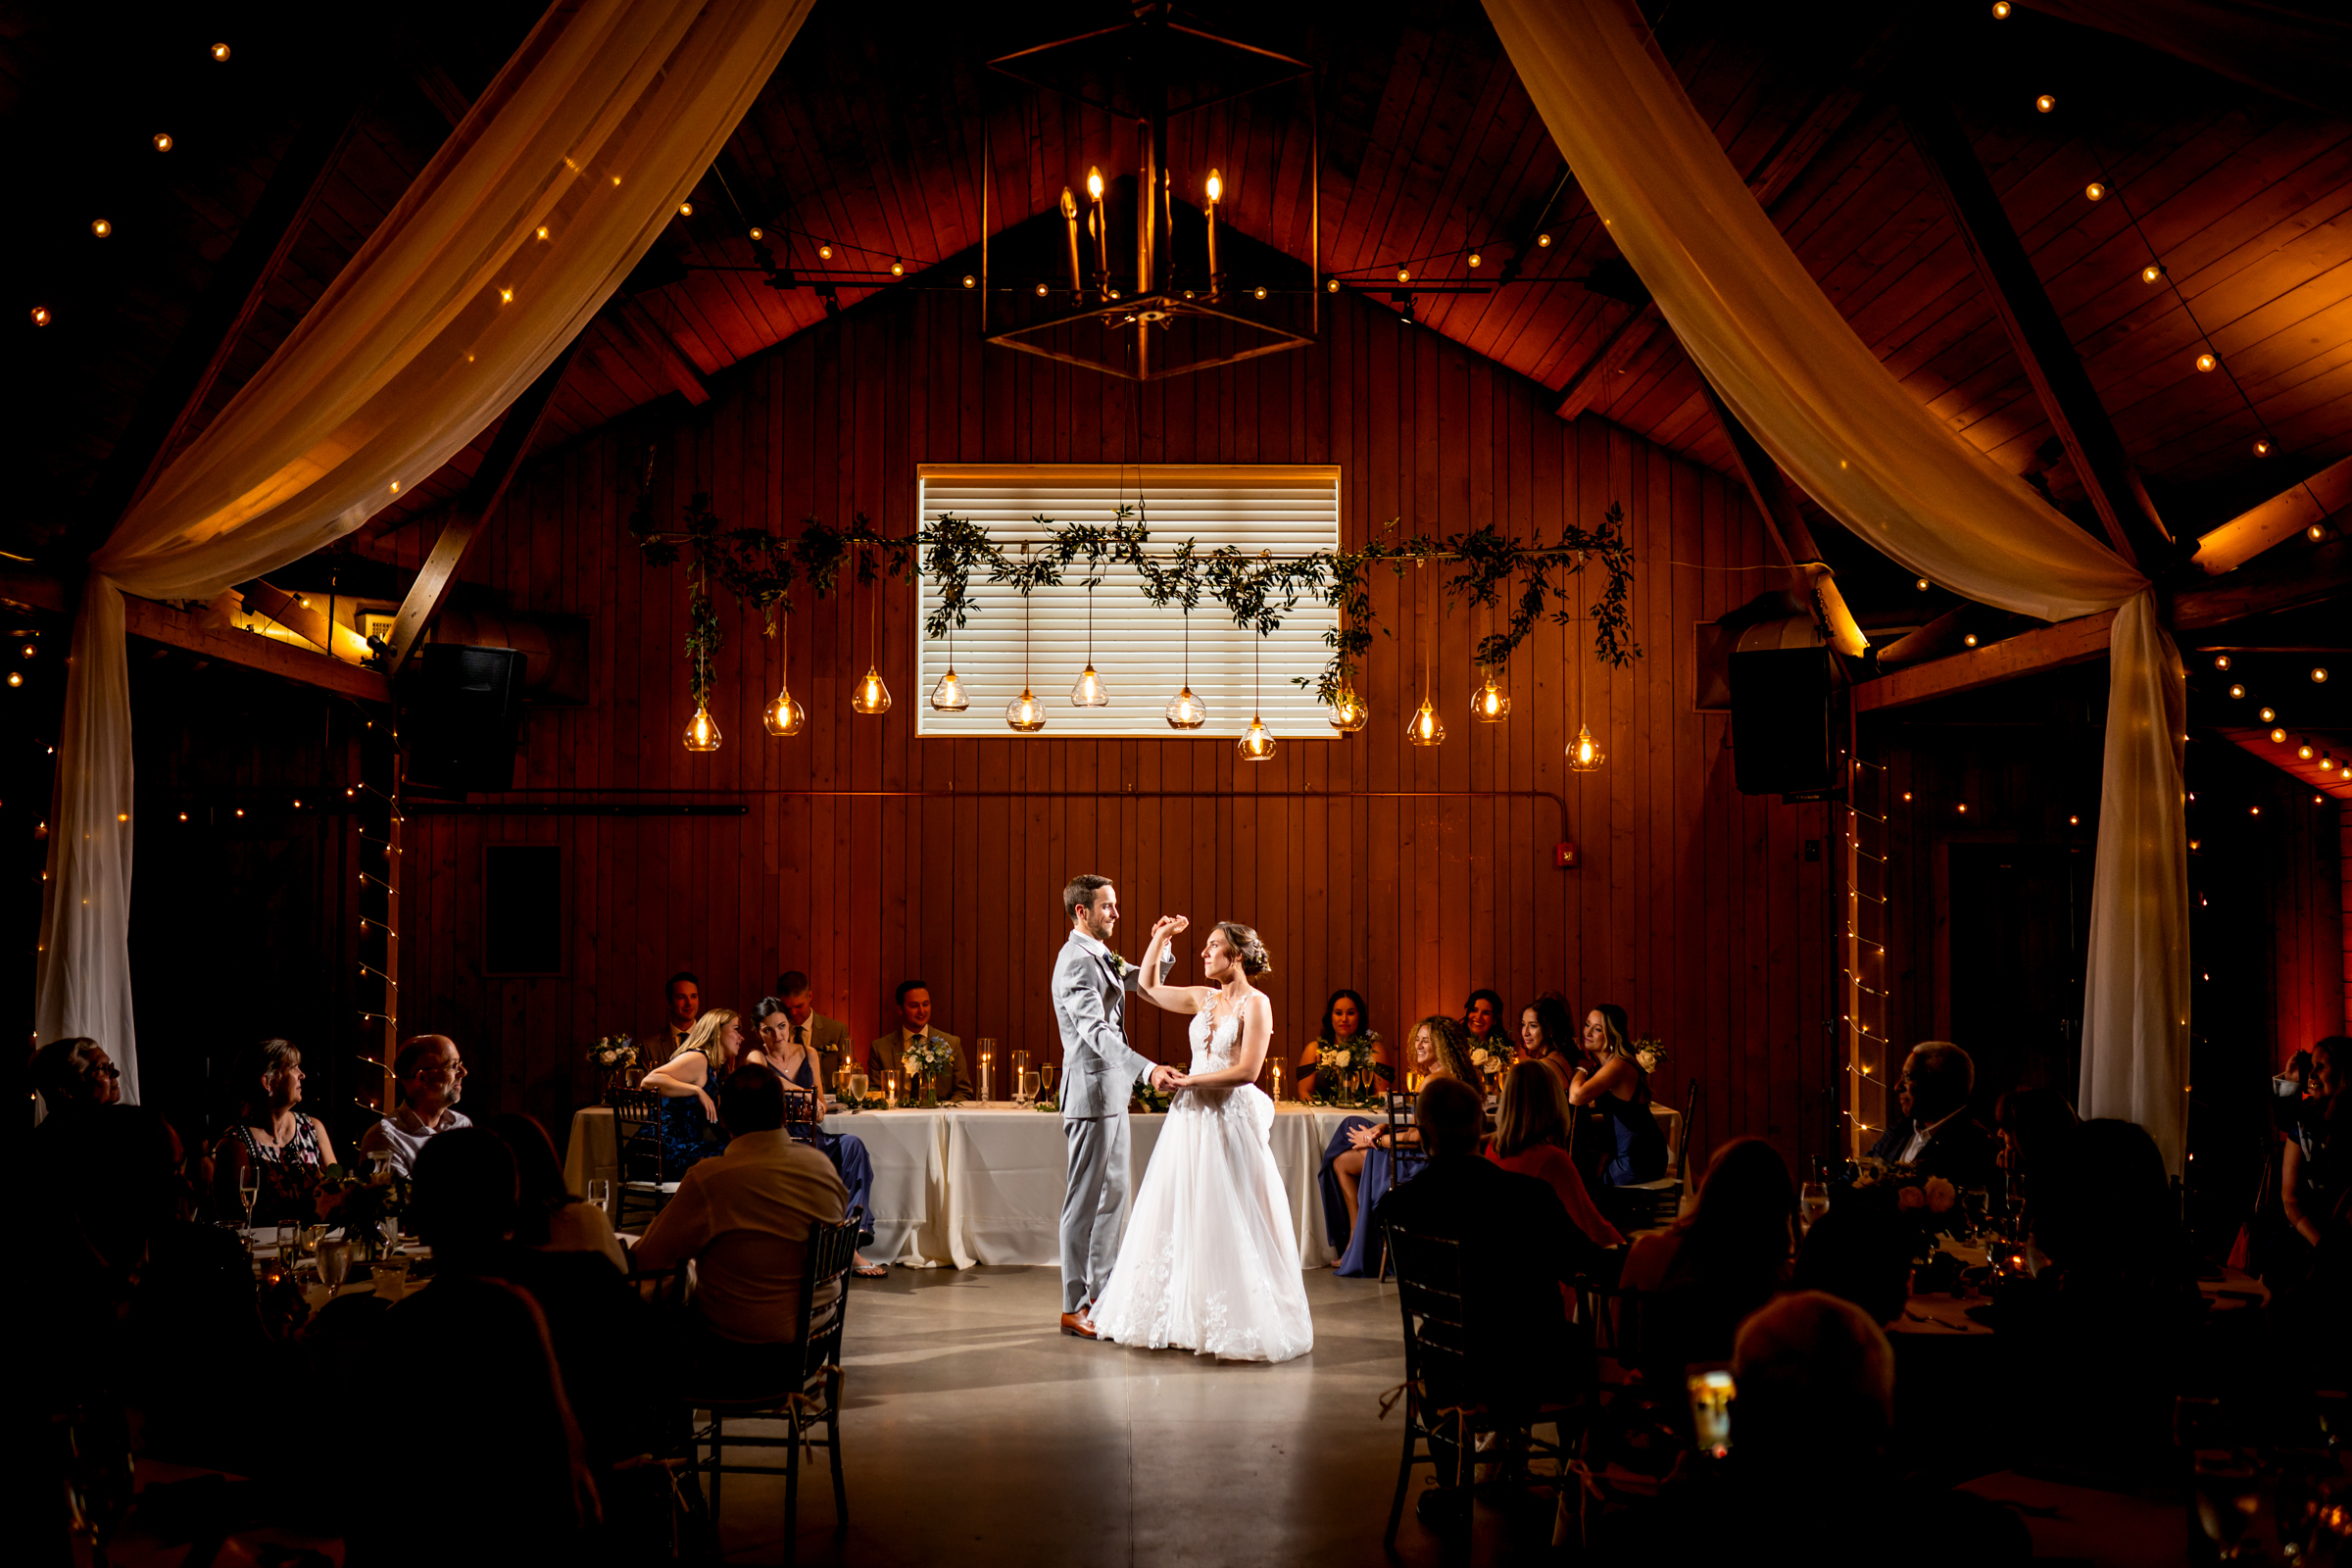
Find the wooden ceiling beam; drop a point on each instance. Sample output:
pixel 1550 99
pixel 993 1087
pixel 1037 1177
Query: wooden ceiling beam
pixel 2265 589
pixel 439 574
pixel 1777 500
pixel 2035 333
pixel 2251 532
pixel 650 337
pixel 2031 653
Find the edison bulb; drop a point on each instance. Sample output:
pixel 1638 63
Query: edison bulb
pixel 948 696
pixel 2046 102
pixel 2150 272
pixel 785 716
pixel 1216 187
pixel 702 731
pixel 1476 259
pixel 758 234
pixel 1331 285
pixel 2221 660
pixel 824 253
pixel 1922 585
pixel 2095 192
pixel 2000 10
pixel 2237 691
pixel 1405 274
pixel 1088 691
pixel 1025 713
pixel 163 141
pixel 2277 737
pixel 685 209
pixel 898 269
pixel 1347 714
pixel 1186 710
pixel 2206 362
pixel 969 281
pixel 2303 751
pixel 2319 674
pixel 872 695
pixel 40 316
pixel 1490 704
pixel 101 227
pixel 1258 292
pixel 1543 242
pixel 1425 728
pixel 2268 715
pixel 219 51
pixel 1584 753
pixel 2262 447
pixel 1256 744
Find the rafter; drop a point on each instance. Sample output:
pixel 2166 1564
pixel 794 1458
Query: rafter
pixel 2044 648
pixel 2251 532
pixel 1776 499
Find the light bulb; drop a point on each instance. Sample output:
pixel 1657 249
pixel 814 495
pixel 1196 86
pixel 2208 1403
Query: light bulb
pixel 2151 273
pixel 1258 292
pixel 1922 585
pixel 1490 704
pixel 1969 641
pixel 1089 691
pixel 872 695
pixel 2000 10
pixel 685 209
pixel 785 716
pixel 1093 184
pixel 2319 674
pixel 2262 447
pixel 2314 533
pixel 1186 710
pixel 163 141
pixel 1584 753
pixel 702 731
pixel 2269 713
pixel 1041 291
pixel 1347 714
pixel 2277 737
pixel 898 269
pixel 40 316
pixel 969 281
pixel 2206 362
pixel 542 231
pixel 1405 274
pixel 1025 713
pixel 1256 744
pixel 758 234
pixel 1476 259
pixel 1425 728
pixel 101 227
pixel 1543 242
pixel 2095 192
pixel 2237 691
pixel 948 696
pixel 1216 187
pixel 1331 285
pixel 2221 660
pixel 2303 751
pixel 824 253
pixel 219 51
pixel 2046 102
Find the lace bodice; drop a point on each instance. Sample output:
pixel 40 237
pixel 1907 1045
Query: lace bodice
pixel 1216 1040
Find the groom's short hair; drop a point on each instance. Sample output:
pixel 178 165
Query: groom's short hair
pixel 1079 893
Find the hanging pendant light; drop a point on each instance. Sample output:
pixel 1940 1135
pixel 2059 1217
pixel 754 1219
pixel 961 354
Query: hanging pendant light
pixel 1184 709
pixel 873 697
pixel 785 716
pixel 1256 744
pixel 1089 692
pixel 1424 728
pixel 1025 713
pixel 1347 713
pixel 702 731
pixel 1490 704
pixel 948 696
pixel 1584 753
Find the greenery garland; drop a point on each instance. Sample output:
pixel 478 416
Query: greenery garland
pixel 762 568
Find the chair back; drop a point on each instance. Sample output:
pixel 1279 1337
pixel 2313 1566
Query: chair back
pixel 1682 1134
pixel 1406 1159
pixel 636 1135
pixel 1430 1293
pixel 832 1252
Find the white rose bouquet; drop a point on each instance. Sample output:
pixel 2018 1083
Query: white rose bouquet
pixel 612 1053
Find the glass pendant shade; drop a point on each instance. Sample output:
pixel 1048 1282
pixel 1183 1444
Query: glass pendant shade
pixel 948 696
pixel 1256 744
pixel 1584 753
pixel 1025 713
pixel 702 731
pixel 1490 704
pixel 1089 692
pixel 783 716
pixel 1186 712
pixel 1347 714
pixel 872 695
pixel 1425 728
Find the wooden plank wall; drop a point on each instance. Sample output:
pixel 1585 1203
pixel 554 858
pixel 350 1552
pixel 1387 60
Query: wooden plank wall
pixel 1695 906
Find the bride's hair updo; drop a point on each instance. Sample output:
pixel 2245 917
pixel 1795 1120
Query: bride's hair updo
pixel 1254 960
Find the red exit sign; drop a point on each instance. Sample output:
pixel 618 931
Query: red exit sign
pixel 1564 855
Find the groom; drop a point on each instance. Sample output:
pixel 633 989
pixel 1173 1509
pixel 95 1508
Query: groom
pixel 1098 1071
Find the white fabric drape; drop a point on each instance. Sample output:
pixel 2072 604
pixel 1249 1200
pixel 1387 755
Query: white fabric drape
pixel 1819 401
pixel 502 250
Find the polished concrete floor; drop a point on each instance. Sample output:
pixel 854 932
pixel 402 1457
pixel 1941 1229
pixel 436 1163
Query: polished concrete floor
pixel 977 1432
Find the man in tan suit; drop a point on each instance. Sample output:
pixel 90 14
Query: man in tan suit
pixel 684 995
pixel 888 1054
pixel 829 1037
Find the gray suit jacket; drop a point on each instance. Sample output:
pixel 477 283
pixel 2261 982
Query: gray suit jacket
pixel 1098 1068
pixel 888 1054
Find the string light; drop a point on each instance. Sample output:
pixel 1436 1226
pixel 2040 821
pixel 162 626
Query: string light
pixel 219 51
pixel 685 209
pixel 2319 674
pixel 1405 274
pixel 161 140
pixel 2046 102
pixel 2000 10
pixel 40 316
pixel 2152 273
pixel 1331 285
pixel 101 227
pixel 2277 737
pixel 1543 242
pixel 2237 691
pixel 2206 362
pixel 2095 192
pixel 2266 715
pixel 1475 260
pixel 758 234
pixel 2221 660
pixel 969 281
pixel 824 253
pixel 1258 292
pixel 542 231
pixel 1922 585
pixel 898 269
pixel 2262 447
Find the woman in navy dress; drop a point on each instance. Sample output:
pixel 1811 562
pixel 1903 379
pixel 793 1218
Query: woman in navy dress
pixel 1612 1082
pixel 688 1084
pixel 796 1064
pixel 1438 1047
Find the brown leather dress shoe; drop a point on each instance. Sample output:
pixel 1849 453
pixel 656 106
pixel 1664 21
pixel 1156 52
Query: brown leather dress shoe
pixel 1079 1324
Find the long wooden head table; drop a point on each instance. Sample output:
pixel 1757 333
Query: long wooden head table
pixel 982 1183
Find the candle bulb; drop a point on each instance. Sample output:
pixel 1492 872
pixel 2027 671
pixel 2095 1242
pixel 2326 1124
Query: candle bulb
pixel 890 1089
pixel 1070 219
pixel 1216 190
pixel 985 1087
pixel 1278 1080
pixel 1098 226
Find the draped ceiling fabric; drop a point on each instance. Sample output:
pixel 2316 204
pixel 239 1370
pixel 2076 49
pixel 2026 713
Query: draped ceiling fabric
pixel 502 250
pixel 1762 332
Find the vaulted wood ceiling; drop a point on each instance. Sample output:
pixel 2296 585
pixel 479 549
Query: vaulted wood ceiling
pixel 871 138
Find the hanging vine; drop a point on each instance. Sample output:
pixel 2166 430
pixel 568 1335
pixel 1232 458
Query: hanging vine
pixel 1258 591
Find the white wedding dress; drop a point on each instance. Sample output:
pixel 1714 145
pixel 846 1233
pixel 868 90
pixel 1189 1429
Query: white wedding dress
pixel 1209 1262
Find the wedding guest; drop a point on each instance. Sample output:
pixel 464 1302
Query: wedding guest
pixel 290 1149
pixel 1933 1129
pixel 2029 1125
pixel 745 1221
pixel 1717 1263
pixel 1345 1021
pixel 1548 1036
pixel 828 1037
pixel 75 1072
pixel 796 1064
pixel 1482 1023
pixel 1531 1138
pixel 1365 1168
pixel 682 1005
pixel 431 1077
pixel 887 1056
pixel 688 1115
pixel 1610 1081
pixel 1859 1251
pixel 550 1216
pixel 2313 1173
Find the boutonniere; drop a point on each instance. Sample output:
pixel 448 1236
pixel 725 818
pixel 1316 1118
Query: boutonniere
pixel 1119 965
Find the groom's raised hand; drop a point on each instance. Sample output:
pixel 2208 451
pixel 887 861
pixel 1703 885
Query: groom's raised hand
pixel 1164 1078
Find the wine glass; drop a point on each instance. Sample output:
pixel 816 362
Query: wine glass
pixel 1976 1203
pixel 249 1187
pixel 600 1192
pixel 1814 1199
pixel 1029 1080
pixel 2227 1496
pixel 860 1085
pixel 334 1263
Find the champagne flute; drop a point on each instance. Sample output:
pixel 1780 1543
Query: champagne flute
pixel 249 1187
pixel 1047 1072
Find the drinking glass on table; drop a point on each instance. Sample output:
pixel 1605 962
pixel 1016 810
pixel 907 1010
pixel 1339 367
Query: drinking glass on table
pixel 334 1263
pixel 391 1280
pixel 249 1187
pixel 2228 1494
pixel 1976 1204
pixel 1047 1072
pixel 858 1088
pixel 600 1194
pixel 1814 1199
pixel 1028 1090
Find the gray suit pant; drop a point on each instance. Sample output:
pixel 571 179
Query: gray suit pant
pixel 1093 1204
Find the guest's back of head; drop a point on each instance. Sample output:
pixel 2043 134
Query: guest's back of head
pixel 1860 1250
pixel 1816 1380
pixel 1744 1218
pixel 1534 1110
pixel 751 1100
pixel 1450 1115
pixel 462 1195
pixel 2106 1211
pixel 540 1189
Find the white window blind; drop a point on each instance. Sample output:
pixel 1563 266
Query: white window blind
pixel 1139 650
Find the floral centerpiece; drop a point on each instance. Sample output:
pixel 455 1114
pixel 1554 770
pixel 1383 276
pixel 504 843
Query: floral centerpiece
pixel 360 1201
pixel 1493 1059
pixel 1927 1208
pixel 1649 1053
pixel 613 1056
pixel 1346 1069
pixel 932 1061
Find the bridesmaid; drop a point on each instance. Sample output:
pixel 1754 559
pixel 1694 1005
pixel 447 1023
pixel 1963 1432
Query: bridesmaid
pixel 1441 1047
pixel 797 1065
pixel 1344 1019
pixel 1611 1081
pixel 1546 1034
pixel 687 1084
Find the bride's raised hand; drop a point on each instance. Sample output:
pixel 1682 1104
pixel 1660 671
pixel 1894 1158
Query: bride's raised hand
pixel 1170 925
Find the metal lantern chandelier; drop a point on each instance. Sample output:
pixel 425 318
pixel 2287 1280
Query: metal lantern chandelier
pixel 1175 309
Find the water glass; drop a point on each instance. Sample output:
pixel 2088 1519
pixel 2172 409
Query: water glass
pixel 1976 1203
pixel 600 1192
pixel 391 1280
pixel 860 1087
pixel 288 1242
pixel 1814 1199
pixel 334 1263
pixel 2229 1495
pixel 1028 1094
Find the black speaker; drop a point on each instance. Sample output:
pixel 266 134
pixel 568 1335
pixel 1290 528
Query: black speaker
pixel 464 716
pixel 1780 708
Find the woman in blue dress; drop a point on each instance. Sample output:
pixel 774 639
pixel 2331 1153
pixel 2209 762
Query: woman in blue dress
pixel 1613 1083
pixel 796 1064
pixel 688 1084
pixel 1438 1047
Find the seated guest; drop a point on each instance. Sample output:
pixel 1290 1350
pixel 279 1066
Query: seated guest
pixel 796 1064
pixel 887 1056
pixel 290 1149
pixel 682 1005
pixel 1482 1023
pixel 2312 1174
pixel 1719 1262
pixel 745 1221
pixel 1609 1081
pixel 1861 1251
pixel 1933 1129
pixel 1531 1138
pixel 1548 1036
pixel 75 1072
pixel 688 1115
pixel 1345 1020
pixel 1359 1164
pixel 551 1216
pixel 2029 1125
pixel 431 1079
pixel 510 1474
pixel 829 1037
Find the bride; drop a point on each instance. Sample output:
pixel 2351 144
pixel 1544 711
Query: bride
pixel 1209 1262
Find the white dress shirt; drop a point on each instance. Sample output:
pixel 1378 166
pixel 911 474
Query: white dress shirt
pixel 1921 1137
pixel 403 1135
